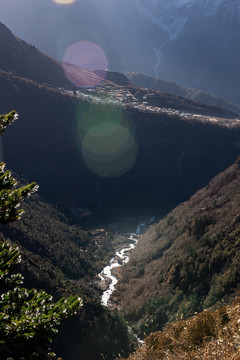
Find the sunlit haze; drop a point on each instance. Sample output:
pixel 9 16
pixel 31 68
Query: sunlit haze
pixel 86 55
pixel 64 2
pixel 106 141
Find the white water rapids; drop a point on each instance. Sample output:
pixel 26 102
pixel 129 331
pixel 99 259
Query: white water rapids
pixel 121 257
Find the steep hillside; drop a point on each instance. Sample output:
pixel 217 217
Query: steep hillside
pixel 103 23
pixel 26 61
pixel 167 100
pixel 146 81
pixel 63 259
pixel 179 153
pixel 56 255
pixel 189 260
pixel 94 148
pixel 208 335
pixel 168 156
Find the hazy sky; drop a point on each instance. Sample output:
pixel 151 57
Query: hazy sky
pixel 115 26
pixel 184 45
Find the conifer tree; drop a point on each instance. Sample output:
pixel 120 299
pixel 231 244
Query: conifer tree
pixel 28 318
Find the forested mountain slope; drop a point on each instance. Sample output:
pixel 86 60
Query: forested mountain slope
pixel 63 260
pixel 57 256
pixel 172 156
pixel 189 260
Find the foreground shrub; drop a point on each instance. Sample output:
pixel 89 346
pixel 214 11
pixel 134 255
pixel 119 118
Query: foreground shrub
pixel 205 336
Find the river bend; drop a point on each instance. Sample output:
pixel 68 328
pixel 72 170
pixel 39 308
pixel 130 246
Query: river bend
pixel 121 257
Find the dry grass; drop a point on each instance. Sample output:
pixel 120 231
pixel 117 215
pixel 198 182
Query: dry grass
pixel 205 336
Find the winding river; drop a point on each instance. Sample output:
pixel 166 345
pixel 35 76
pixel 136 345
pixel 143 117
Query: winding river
pixel 121 257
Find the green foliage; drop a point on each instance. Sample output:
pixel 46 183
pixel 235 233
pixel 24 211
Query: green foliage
pixel 9 257
pixel 158 311
pixel 10 197
pixel 58 257
pixel 7 119
pixel 28 318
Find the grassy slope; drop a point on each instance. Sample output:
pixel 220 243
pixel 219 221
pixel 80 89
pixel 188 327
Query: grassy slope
pixel 208 335
pixel 189 260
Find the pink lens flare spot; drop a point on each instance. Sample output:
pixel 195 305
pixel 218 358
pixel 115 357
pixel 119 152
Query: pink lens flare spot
pixel 85 63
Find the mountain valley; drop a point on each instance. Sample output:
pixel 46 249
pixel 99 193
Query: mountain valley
pixel 108 152
pixel 150 118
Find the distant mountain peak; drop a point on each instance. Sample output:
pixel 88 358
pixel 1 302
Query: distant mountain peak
pixel 164 14
pixel 200 43
pixel 172 16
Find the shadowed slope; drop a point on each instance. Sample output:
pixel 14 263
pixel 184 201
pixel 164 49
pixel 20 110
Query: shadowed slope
pixel 189 260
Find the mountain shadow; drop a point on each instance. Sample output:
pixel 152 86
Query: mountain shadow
pixel 188 261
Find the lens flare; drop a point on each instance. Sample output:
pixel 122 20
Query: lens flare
pixel 64 2
pixel 107 142
pixel 81 60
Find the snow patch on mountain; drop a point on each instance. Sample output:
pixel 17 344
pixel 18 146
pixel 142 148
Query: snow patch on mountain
pixel 165 15
pixel 172 15
pixel 175 16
